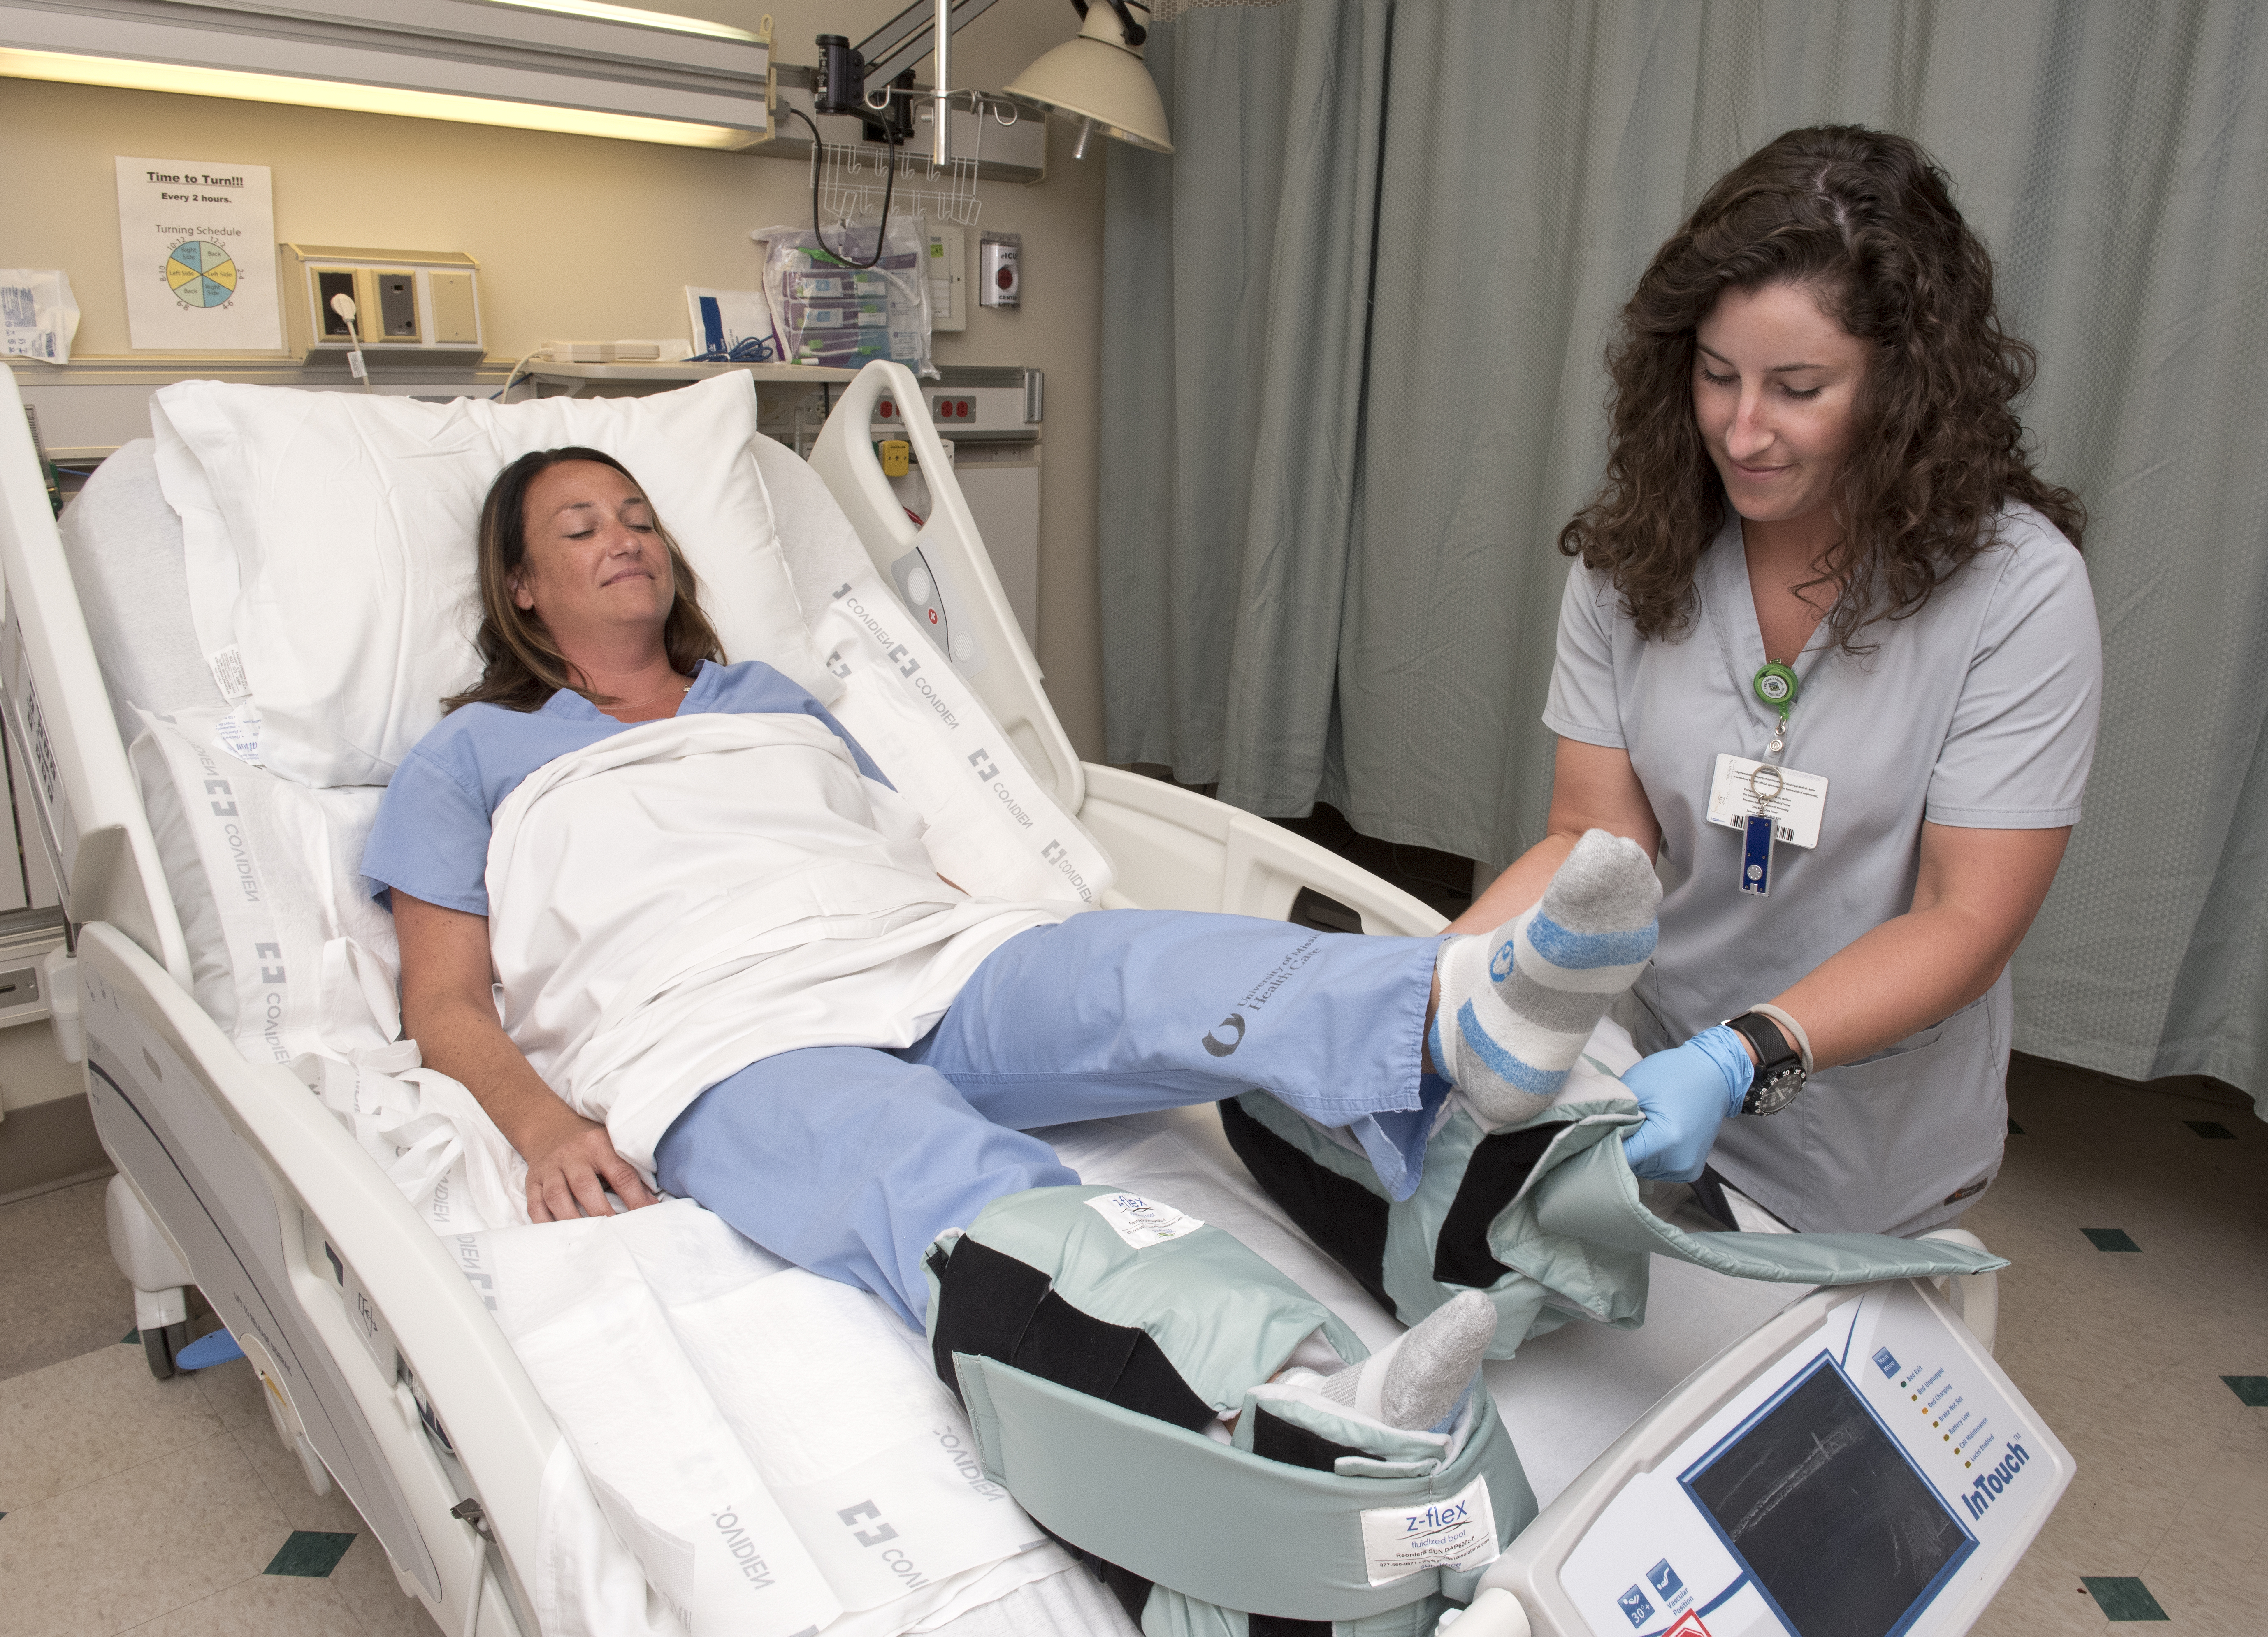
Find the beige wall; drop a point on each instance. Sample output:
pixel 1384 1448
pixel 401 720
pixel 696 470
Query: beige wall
pixel 589 239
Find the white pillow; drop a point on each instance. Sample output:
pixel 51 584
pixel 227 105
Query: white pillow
pixel 329 541
pixel 288 954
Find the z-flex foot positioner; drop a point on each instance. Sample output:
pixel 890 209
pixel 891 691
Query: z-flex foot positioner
pixel 1545 1217
pixel 1092 1335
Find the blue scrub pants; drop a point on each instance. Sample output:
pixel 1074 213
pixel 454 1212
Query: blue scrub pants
pixel 848 1161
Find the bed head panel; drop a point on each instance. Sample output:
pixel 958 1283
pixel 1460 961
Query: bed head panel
pixel 58 715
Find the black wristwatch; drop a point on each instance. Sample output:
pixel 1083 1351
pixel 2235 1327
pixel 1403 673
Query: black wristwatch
pixel 1779 1065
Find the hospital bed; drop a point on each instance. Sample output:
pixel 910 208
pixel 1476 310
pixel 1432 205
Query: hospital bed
pixel 384 1372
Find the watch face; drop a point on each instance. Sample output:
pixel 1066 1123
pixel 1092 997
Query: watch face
pixel 1775 1093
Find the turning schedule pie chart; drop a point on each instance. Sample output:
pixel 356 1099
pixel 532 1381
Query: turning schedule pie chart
pixel 201 274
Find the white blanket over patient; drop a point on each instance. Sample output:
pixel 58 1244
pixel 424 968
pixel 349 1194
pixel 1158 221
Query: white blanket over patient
pixel 692 895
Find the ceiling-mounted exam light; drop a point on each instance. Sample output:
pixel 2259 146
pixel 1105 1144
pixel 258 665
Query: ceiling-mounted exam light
pixel 1098 78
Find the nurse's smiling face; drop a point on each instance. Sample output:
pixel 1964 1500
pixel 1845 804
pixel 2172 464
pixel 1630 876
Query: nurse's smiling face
pixel 595 562
pixel 1776 385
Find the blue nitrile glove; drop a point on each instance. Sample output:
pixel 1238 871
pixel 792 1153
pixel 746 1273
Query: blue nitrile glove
pixel 1686 1092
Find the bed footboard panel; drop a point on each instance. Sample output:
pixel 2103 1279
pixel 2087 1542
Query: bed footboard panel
pixel 1176 849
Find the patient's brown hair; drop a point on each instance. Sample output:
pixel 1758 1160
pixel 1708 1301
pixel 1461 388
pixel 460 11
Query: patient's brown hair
pixel 523 667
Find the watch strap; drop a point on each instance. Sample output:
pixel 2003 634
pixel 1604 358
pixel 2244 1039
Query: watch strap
pixel 1774 1051
pixel 1789 1027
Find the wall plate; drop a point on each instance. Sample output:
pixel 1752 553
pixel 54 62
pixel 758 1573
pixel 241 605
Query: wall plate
pixel 948 278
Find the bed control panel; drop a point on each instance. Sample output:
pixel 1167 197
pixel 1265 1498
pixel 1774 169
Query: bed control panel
pixel 931 601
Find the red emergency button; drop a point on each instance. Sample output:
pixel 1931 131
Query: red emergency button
pixel 1005 278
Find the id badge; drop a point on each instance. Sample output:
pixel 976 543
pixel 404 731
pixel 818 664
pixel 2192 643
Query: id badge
pixel 1796 807
pixel 1766 804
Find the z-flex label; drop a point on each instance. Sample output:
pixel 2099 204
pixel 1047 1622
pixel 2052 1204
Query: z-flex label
pixel 1458 1533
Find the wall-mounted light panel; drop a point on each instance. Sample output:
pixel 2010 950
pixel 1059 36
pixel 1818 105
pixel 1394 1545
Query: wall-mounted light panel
pixel 556 65
pixel 411 306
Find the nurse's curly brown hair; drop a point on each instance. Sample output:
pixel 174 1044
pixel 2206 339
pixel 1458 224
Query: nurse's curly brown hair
pixel 1867 221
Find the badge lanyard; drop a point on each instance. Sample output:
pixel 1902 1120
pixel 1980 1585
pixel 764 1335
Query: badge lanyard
pixel 1775 688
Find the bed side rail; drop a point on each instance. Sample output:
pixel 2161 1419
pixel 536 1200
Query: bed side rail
pixel 89 810
pixel 376 1343
pixel 1176 849
pixel 999 666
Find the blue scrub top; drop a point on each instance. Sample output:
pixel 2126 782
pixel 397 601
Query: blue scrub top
pixel 432 836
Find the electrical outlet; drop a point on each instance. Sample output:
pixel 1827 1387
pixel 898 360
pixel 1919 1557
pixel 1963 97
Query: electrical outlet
pixel 331 282
pixel 397 307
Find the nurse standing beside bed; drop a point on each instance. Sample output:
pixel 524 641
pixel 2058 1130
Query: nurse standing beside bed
pixel 669 924
pixel 1829 653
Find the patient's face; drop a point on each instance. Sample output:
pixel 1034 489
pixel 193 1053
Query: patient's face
pixel 594 562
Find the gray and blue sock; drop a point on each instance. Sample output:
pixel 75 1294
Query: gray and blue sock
pixel 1417 1383
pixel 1518 1005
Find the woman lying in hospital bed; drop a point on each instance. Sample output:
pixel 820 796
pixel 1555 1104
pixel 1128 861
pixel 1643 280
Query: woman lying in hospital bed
pixel 723 964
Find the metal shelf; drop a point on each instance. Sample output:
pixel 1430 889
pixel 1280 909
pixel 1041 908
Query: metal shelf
pixel 781 374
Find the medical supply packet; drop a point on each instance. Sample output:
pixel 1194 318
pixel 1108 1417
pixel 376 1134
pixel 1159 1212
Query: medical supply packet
pixel 831 309
pixel 38 314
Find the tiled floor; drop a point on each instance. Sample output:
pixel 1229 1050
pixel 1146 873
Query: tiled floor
pixel 2139 1235
pixel 2135 1318
pixel 166 1509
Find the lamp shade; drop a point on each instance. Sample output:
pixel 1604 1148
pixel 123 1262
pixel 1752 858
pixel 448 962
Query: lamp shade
pixel 1096 75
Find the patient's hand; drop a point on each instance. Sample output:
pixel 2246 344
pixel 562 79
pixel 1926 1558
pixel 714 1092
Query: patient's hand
pixel 449 1009
pixel 571 1164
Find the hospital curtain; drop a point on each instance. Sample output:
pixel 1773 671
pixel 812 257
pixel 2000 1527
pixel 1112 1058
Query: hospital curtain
pixel 1352 388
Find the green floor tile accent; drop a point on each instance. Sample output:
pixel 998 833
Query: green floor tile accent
pixel 2109 1239
pixel 2122 1597
pixel 131 1339
pixel 2250 1390
pixel 2213 1130
pixel 2015 1130
pixel 313 1553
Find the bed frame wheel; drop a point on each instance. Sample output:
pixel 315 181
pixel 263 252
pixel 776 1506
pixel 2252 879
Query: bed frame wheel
pixel 159 1345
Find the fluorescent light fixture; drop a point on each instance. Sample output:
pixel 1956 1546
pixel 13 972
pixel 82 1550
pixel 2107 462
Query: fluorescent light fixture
pixel 571 66
pixel 630 14
pixel 127 75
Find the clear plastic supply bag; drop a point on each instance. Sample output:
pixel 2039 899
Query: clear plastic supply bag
pixel 38 314
pixel 827 311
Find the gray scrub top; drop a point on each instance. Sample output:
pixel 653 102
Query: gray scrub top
pixel 1978 712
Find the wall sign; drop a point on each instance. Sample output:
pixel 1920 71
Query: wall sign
pixel 197 237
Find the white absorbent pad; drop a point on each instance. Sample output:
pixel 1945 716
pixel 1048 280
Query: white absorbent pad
pixel 287 953
pixel 772 1447
pixel 690 896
